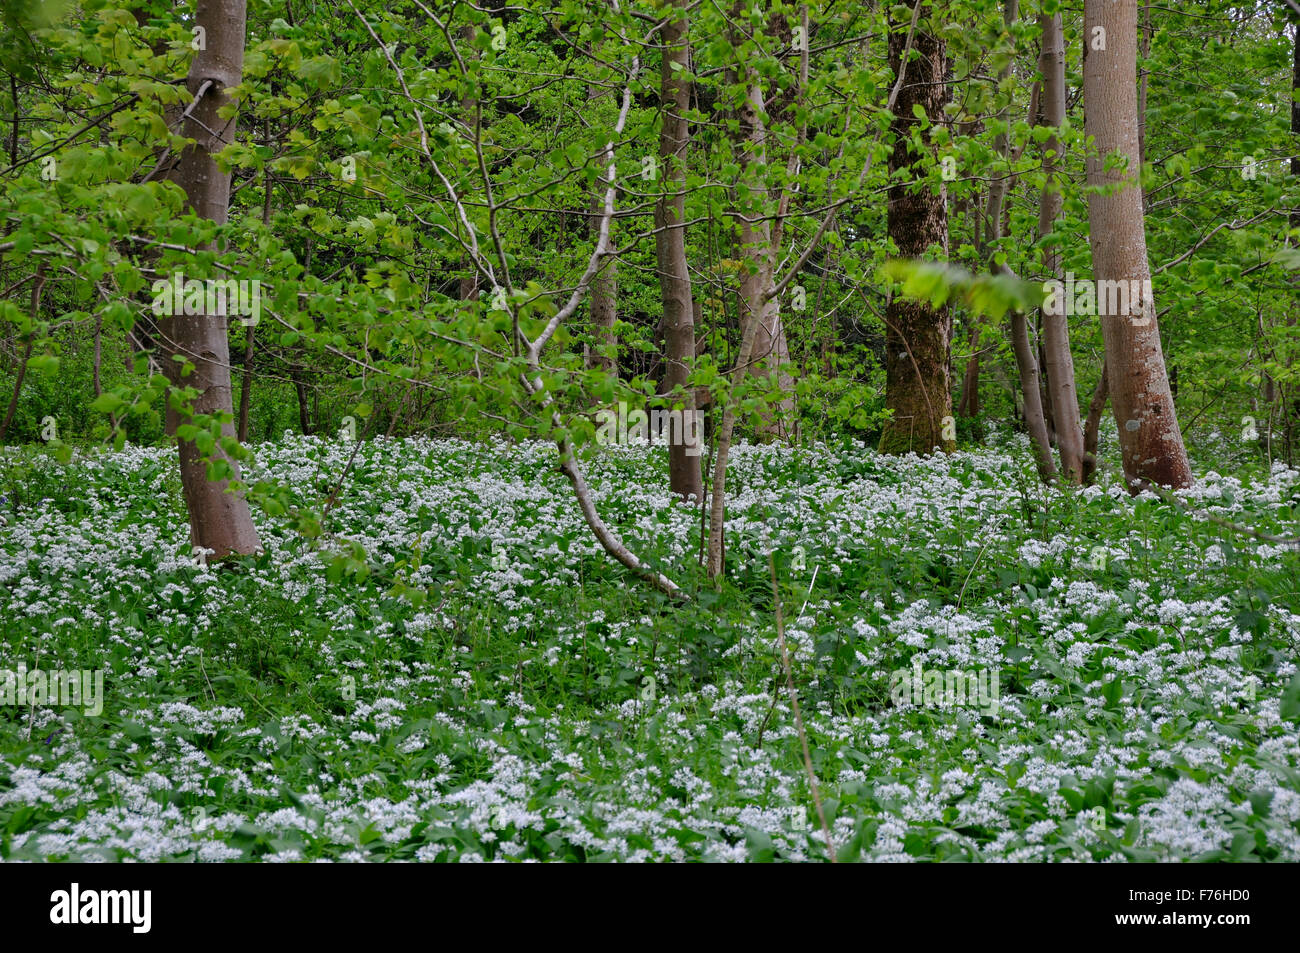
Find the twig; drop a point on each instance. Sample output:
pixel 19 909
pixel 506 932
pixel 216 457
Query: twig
pixel 207 83
pixel 333 497
pixel 811 583
pixel 978 557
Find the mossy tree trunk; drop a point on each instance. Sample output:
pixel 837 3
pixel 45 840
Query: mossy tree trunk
pixel 918 337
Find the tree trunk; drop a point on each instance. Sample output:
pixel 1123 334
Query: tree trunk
pixel 37 287
pixel 772 356
pixel 18 389
pixel 219 521
pixel 1026 364
pixel 1033 409
pixel 1295 108
pixel 755 308
pixel 467 286
pixel 969 404
pixel 304 414
pixel 604 307
pixel 96 381
pixel 1151 443
pixel 246 391
pixel 1288 404
pixel 1058 363
pixel 917 336
pixel 684 475
pixel 246 388
pixel 1143 83
pixel 1091 428
pixel 604 292
pixel 17 118
pixel 718 498
pixel 1044 396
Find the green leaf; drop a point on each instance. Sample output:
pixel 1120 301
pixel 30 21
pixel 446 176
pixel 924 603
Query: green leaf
pixel 1290 707
pixel 321 70
pixel 107 403
pixel 46 364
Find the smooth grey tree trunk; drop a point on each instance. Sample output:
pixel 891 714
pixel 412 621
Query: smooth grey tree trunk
pixel 756 244
pixel 604 307
pixel 1150 440
pixel 684 474
pixel 219 521
pixel 1026 363
pixel 1058 363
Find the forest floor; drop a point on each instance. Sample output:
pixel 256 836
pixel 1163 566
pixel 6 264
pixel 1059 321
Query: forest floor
pixel 455 672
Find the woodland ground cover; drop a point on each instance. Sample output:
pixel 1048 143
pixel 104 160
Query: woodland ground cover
pixel 456 672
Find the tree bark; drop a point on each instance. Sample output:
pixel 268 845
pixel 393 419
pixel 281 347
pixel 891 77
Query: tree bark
pixel 246 387
pixel 18 389
pixel 917 336
pixel 246 390
pixel 755 308
pixel 1295 108
pixel 219 521
pixel 1035 422
pixel 1091 428
pixel 37 288
pixel 1149 437
pixel 772 356
pixel 99 355
pixel 1289 404
pixel 304 413
pixel 604 308
pixel 969 404
pixel 725 432
pixel 1026 364
pixel 13 137
pixel 467 287
pixel 684 475
pixel 1044 395
pixel 1058 363
pixel 1143 83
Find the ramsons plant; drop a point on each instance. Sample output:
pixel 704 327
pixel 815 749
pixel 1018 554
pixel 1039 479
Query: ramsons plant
pixel 491 688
